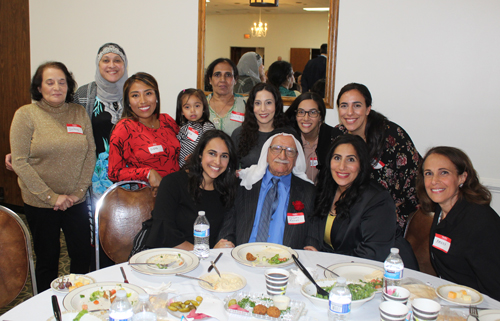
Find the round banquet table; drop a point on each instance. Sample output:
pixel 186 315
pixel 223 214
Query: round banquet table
pixel 40 307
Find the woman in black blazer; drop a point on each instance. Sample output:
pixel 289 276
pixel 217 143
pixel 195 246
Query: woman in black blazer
pixel 353 215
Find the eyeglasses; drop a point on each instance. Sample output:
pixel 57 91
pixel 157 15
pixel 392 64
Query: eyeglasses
pixel 219 74
pixel 313 113
pixel 289 151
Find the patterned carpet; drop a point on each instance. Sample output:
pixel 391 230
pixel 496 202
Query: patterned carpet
pixel 27 292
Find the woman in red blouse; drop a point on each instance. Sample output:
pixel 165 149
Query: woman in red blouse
pixel 143 144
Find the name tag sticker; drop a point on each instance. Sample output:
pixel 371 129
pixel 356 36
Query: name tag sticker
pixel 236 116
pixel 295 218
pixel 74 129
pixel 314 161
pixel 377 165
pixel 155 149
pixel 442 243
pixel 192 134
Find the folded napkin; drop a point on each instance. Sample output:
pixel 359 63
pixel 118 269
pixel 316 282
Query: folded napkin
pixel 298 278
pixel 213 307
pixel 156 290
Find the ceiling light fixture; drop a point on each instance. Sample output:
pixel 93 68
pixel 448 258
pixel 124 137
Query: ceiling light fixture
pixel 264 3
pixel 259 30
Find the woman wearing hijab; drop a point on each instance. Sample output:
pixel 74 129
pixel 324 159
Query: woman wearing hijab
pixel 251 72
pixel 103 100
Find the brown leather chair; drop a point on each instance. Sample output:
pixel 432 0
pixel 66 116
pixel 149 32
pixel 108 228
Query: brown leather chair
pixel 17 256
pixel 118 218
pixel 417 234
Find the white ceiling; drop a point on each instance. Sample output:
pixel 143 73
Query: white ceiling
pixel 221 7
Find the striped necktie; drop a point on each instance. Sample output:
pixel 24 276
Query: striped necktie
pixel 270 204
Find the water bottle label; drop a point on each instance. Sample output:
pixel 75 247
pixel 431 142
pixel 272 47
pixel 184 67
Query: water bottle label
pixel 340 308
pixel 393 275
pixel 204 233
pixel 112 319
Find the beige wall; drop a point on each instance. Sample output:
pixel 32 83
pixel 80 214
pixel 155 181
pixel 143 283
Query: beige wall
pixel 284 32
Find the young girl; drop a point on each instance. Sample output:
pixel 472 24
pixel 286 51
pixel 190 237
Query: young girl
pixel 192 116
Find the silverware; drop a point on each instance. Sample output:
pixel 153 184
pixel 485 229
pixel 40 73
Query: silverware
pixel 473 312
pixel 216 269
pixel 192 277
pixel 160 265
pixel 124 275
pixel 213 263
pixel 319 289
pixel 324 268
pixel 55 307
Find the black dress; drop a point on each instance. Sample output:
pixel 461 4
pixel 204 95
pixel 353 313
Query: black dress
pixel 472 258
pixel 175 212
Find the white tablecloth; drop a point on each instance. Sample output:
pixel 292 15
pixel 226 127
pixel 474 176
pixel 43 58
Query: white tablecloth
pixel 40 307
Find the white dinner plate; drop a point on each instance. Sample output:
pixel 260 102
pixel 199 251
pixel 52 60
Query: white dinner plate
pixel 55 284
pixel 353 272
pixel 184 297
pixel 486 315
pixel 76 298
pixel 239 282
pixel 476 297
pixel 261 250
pixel 70 315
pixel 187 261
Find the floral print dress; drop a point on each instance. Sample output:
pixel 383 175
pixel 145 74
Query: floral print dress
pixel 396 169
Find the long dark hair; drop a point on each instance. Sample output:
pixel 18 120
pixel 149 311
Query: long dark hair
pixel 225 183
pixel 327 185
pixel 291 112
pixel 179 115
pixel 472 190
pixel 37 80
pixel 250 127
pixel 376 123
pixel 146 79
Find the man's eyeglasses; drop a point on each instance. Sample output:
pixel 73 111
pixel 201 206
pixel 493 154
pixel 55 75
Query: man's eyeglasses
pixel 313 113
pixel 219 74
pixel 289 151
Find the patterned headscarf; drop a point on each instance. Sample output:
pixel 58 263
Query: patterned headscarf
pixel 254 173
pixel 249 65
pixel 107 91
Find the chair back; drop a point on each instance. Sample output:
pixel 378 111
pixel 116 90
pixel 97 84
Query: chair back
pixel 118 218
pixel 417 234
pixel 17 256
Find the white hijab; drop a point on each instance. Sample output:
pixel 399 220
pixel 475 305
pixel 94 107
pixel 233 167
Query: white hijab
pixel 254 173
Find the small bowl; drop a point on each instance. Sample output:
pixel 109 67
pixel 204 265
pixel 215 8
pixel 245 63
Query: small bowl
pixel 393 311
pixel 403 294
pixel 281 301
pixel 308 290
pixel 425 309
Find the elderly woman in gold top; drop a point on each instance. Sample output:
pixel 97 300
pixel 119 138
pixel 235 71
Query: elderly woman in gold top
pixel 53 153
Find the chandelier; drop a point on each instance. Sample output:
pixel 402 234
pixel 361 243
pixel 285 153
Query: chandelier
pixel 260 29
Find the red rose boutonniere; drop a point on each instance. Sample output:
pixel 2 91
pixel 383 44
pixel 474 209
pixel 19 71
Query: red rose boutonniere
pixel 298 205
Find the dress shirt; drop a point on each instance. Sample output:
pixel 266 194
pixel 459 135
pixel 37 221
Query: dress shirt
pixel 278 220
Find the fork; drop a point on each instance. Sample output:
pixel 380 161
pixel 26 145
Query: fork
pixel 473 312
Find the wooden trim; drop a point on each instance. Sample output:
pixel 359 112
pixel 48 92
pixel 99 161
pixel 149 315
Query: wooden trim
pixel 333 23
pixel 201 44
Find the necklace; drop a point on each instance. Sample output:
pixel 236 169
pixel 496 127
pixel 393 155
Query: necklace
pixel 149 126
pixel 217 119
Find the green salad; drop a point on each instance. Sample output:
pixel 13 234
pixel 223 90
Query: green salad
pixel 359 291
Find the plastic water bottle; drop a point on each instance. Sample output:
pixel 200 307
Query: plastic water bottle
pixel 339 301
pixel 144 311
pixel 120 310
pixel 201 236
pixel 393 267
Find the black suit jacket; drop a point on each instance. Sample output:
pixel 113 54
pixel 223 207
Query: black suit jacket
pixel 370 231
pixel 239 220
pixel 314 70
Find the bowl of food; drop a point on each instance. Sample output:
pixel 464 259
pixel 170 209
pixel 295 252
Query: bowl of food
pixel 361 292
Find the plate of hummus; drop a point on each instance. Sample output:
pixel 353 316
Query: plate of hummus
pixel 228 282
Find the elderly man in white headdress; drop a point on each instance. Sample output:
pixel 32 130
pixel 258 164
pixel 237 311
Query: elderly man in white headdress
pixel 275 201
